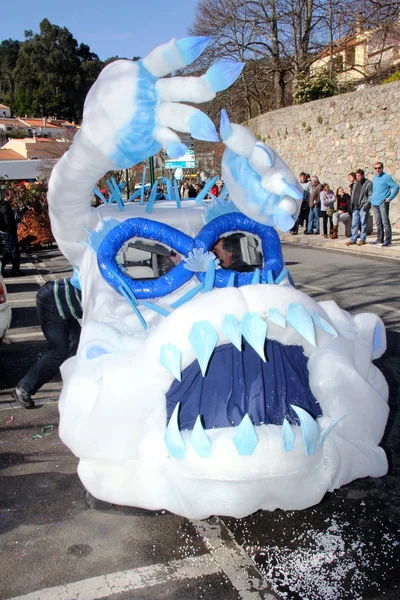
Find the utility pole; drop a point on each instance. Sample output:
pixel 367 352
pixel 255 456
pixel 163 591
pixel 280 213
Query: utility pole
pixel 151 165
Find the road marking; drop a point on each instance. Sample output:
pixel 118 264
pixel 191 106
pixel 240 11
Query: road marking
pixel 233 560
pixel 38 278
pixel 386 307
pixel 313 287
pixel 22 300
pixel 18 336
pixel 127 581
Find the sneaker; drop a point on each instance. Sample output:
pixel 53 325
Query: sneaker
pixel 350 243
pixel 22 397
pixel 376 243
pixel 361 243
pixel 386 244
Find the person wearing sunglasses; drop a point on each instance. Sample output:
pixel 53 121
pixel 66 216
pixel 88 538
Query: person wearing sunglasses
pixel 384 189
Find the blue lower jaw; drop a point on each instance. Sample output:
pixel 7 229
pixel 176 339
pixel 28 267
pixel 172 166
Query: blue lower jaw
pixel 237 383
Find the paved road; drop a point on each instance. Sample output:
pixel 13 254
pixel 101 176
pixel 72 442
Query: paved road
pixel 345 548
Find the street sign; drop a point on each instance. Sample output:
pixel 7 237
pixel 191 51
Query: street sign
pixel 188 161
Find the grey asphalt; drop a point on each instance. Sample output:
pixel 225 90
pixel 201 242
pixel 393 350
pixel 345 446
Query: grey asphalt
pixel 347 547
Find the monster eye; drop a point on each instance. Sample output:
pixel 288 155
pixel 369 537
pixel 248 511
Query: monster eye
pixel 235 233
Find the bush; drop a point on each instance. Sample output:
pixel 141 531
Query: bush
pixel 394 77
pixel 315 87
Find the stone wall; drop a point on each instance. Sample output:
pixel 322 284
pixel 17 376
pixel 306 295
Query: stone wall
pixel 334 136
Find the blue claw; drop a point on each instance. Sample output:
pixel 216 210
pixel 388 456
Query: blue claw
pixel 221 75
pixel 225 126
pixel 202 128
pixel 256 277
pixel 292 191
pixel 309 429
pixel 325 432
pixel 245 438
pixel 176 149
pixel 200 440
pixel 282 220
pixel 173 437
pixel 190 48
pixel 152 198
pixel 275 316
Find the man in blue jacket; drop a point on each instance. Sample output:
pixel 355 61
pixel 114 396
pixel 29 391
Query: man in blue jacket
pixel 384 189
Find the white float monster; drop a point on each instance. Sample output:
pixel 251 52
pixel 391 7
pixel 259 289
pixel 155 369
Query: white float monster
pixel 204 391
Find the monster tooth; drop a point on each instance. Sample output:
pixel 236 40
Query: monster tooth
pixel 231 328
pixel 221 75
pixel 325 432
pixel 270 277
pixel 275 316
pixel 203 338
pixel 245 438
pixel 200 440
pixel 254 330
pixel 323 324
pixel 209 278
pixel 225 126
pixel 281 276
pixel 231 280
pixel 173 437
pixel 309 429
pixel 190 48
pixel 256 276
pixel 170 358
pixel 177 196
pixel 188 296
pixel 152 198
pixel 300 319
pixel 202 128
pixel 288 436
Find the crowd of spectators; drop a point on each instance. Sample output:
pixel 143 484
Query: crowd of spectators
pixel 354 205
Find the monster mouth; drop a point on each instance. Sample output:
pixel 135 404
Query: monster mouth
pixel 237 383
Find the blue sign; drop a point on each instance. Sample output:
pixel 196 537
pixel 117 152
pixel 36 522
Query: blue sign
pixel 183 164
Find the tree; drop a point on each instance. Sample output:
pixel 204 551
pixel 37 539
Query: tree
pixel 53 74
pixel 9 50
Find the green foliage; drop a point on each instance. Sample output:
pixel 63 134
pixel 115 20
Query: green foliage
pixel 9 50
pixel 17 133
pixel 394 77
pixel 319 119
pixel 53 74
pixel 314 87
pixel 31 195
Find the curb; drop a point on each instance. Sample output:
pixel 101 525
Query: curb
pixel 392 253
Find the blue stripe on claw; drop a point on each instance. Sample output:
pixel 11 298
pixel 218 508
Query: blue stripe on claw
pixel 202 128
pixel 203 339
pixel 288 436
pixel 221 75
pixel 300 319
pixel 292 191
pixel 282 220
pixel 170 358
pixel 190 48
pixel 231 328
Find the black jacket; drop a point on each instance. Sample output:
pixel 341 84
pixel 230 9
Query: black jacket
pixel 7 218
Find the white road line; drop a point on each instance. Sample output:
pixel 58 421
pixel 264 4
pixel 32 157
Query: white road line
pixel 22 300
pixel 38 278
pixel 18 336
pixel 233 560
pixel 313 287
pixel 127 581
pixel 387 307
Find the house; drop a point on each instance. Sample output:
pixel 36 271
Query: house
pixel 34 148
pixel 363 54
pixel 42 127
pixel 10 124
pixel 28 158
pixel 4 111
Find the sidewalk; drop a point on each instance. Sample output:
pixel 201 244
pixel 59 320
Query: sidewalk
pixel 318 241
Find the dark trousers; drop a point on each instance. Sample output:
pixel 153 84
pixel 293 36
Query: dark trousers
pixel 302 219
pixel 325 218
pixel 62 336
pixel 11 250
pixel 381 216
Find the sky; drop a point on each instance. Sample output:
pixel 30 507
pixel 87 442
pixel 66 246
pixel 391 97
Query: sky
pixel 124 28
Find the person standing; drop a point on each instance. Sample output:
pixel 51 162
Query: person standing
pixel 384 189
pixel 59 308
pixel 360 207
pixel 302 219
pixel 8 233
pixel 327 199
pixel 314 204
